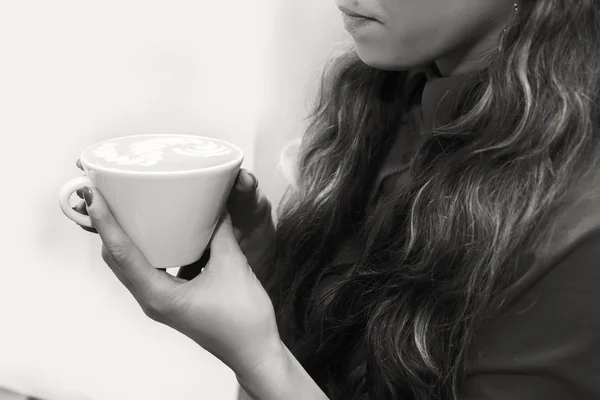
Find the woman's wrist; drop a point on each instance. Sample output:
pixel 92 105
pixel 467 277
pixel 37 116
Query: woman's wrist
pixel 280 377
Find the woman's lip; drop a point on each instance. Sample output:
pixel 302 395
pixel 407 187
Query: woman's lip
pixel 352 24
pixel 354 14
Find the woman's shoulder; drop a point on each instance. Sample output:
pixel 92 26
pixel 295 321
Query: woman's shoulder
pixel 574 223
pixel 542 334
pixel 575 218
pixel 565 259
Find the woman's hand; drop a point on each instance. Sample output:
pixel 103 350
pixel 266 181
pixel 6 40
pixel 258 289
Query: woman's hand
pixel 253 225
pixel 224 309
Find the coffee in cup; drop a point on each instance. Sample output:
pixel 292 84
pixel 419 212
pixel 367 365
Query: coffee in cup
pixel 167 191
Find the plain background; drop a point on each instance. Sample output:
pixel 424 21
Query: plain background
pixel 73 72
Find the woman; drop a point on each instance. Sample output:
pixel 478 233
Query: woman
pixel 443 236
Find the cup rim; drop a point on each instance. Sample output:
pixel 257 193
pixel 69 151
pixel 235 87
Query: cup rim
pixel 225 166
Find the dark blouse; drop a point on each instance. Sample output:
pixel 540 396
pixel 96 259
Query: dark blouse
pixel 544 341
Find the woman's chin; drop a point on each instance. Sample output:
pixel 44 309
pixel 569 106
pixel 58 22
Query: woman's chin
pixel 379 58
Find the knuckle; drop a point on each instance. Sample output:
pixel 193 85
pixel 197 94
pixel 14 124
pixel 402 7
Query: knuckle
pixel 115 254
pixel 151 313
pixel 119 253
pixel 156 308
pixel 154 305
pixel 166 307
pixel 104 253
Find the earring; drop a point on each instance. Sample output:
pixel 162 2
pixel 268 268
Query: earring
pixel 503 33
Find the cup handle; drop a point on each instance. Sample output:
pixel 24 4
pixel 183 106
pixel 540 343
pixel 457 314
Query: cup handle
pixel 65 194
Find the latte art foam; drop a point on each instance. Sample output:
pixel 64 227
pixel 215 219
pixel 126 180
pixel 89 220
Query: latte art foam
pixel 147 153
pixel 160 153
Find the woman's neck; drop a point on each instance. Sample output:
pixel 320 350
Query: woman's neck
pixel 466 57
pixel 463 60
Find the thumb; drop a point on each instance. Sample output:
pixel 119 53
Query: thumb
pixel 223 242
pixel 124 257
pixel 246 181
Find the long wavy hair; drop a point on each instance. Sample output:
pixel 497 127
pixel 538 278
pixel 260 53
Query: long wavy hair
pixel 440 251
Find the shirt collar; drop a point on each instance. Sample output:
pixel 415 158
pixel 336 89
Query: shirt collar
pixel 434 96
pixel 440 95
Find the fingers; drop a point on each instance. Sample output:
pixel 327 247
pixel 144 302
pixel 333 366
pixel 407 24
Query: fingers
pixel 245 194
pixel 223 245
pixel 247 204
pixel 79 191
pixel 123 256
pixel 246 181
pixel 80 208
pixel 109 259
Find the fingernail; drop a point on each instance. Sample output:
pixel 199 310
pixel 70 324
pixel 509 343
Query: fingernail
pixel 238 182
pixel 246 182
pixel 87 196
pixel 254 181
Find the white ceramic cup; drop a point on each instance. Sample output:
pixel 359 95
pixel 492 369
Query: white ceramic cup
pixel 169 215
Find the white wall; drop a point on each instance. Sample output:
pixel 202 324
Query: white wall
pixel 306 33
pixel 73 72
